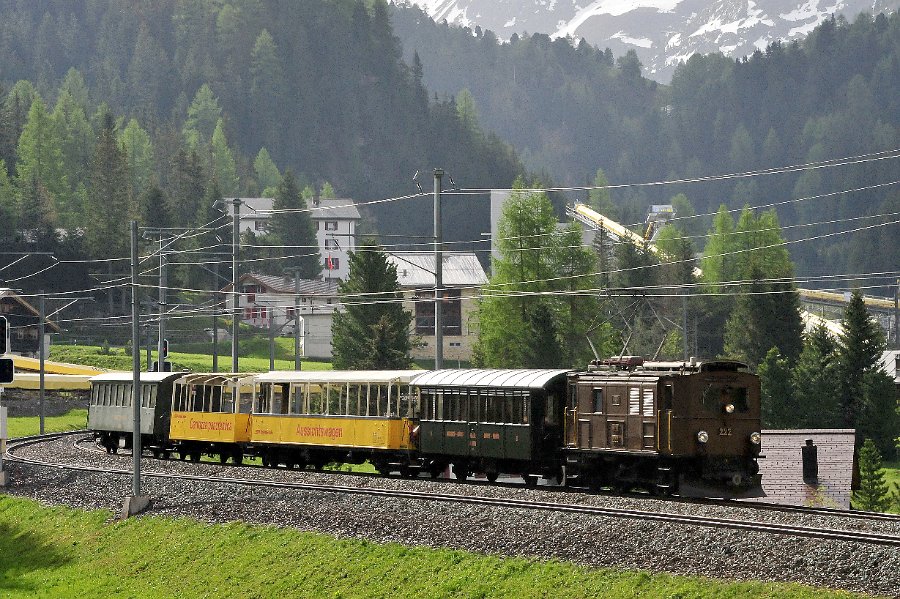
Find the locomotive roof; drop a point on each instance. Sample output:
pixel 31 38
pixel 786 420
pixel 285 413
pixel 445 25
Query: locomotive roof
pixel 128 377
pixel 338 376
pixel 510 378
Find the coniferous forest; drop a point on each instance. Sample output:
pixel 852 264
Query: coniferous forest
pixel 359 95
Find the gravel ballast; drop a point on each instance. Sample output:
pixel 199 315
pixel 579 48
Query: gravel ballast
pixel 585 539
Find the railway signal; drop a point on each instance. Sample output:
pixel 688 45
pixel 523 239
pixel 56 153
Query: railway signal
pixel 4 335
pixel 7 370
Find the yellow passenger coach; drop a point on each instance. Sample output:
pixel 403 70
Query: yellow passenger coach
pixel 211 415
pixel 302 418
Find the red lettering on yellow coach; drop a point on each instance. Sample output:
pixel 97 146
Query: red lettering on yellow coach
pixel 329 432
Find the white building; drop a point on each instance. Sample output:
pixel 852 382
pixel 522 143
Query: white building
pixel 266 301
pixel 334 219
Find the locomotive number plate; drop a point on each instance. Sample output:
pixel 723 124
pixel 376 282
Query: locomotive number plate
pixel 724 431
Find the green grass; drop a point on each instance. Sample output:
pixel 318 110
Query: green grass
pixel 23 426
pixel 61 552
pixel 118 359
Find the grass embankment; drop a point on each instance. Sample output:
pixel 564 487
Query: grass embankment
pixel 23 426
pixel 60 552
pixel 118 359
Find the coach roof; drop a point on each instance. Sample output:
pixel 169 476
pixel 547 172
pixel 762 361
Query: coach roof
pixel 512 379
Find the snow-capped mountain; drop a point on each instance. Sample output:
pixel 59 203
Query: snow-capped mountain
pixel 662 32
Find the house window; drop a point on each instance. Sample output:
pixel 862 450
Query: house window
pixel 332 244
pixel 331 225
pixel 332 263
pixel 259 225
pixel 451 312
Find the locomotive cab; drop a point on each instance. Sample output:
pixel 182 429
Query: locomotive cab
pixel 717 429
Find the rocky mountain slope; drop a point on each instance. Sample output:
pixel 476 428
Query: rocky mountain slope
pixel 662 32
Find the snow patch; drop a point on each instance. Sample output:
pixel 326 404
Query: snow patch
pixel 510 23
pixel 640 42
pixel 614 8
pixel 674 41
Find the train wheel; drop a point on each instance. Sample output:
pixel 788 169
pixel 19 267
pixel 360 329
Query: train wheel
pixel 461 471
pixel 165 455
pixel 223 458
pixel 435 469
pixel 195 456
pixel 237 457
pixel 492 476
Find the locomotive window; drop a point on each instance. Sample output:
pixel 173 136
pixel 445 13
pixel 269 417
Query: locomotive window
pixel 617 400
pixel 550 413
pixel 715 396
pixel 667 397
pixel 598 401
pixel 647 405
pixel 634 402
pixel 573 397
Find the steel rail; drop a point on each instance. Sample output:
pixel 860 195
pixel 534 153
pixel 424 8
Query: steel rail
pixel 711 522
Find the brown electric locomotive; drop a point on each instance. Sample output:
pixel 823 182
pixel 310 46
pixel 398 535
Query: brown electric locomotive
pixel 685 427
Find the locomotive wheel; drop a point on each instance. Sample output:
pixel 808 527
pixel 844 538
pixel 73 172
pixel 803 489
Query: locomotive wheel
pixel 492 476
pixel 435 469
pixel 460 471
pixel 530 481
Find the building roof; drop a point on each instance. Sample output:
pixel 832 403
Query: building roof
pixel 7 292
pixel 782 467
pixel 286 285
pixel 252 207
pixel 416 269
pixel 333 209
pixel 509 379
pixel 890 363
pixel 321 209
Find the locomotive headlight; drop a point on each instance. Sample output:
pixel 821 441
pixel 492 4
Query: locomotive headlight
pixel 703 436
pixel 729 408
pixel 755 438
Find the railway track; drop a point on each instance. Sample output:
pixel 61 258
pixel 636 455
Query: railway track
pixel 473 499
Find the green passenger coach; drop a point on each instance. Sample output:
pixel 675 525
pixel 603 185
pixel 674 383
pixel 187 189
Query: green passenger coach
pixel 492 421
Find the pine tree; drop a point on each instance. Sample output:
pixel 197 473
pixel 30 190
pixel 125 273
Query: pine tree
pixel 9 209
pixel 815 381
pixel 873 490
pixel 203 115
pixel 779 408
pixel 139 150
pixel 109 195
pixel 223 168
pixel 267 175
pixel 372 331
pixel 860 349
pixel 293 227
pixel 600 198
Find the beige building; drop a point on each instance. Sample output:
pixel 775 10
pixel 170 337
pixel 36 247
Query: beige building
pixel 462 277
